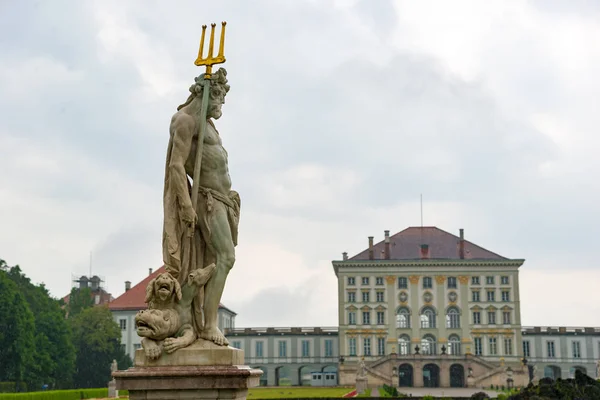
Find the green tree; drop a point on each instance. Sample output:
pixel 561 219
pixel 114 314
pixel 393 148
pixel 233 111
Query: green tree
pixel 97 339
pixel 79 300
pixel 17 333
pixel 54 357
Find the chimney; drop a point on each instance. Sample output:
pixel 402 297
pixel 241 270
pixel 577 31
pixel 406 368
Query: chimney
pixel 371 256
pixel 344 256
pixel 149 271
pixel 386 251
pixel 127 285
pixel 461 244
pixel 424 251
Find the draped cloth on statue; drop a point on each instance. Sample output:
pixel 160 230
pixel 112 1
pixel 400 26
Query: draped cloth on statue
pixel 183 253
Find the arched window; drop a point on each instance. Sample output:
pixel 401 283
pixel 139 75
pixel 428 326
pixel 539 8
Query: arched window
pixel 454 345
pixel 427 318
pixel 428 345
pixel 403 318
pixel 453 318
pixel 404 345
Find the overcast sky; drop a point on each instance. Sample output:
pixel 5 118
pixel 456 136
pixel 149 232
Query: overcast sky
pixel 340 114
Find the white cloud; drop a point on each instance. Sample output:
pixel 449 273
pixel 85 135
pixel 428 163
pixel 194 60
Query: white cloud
pixel 341 113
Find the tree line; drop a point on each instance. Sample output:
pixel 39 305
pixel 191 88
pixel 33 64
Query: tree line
pixel 40 346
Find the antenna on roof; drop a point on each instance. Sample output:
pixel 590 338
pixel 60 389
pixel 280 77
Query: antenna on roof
pixel 421 210
pixel 421 218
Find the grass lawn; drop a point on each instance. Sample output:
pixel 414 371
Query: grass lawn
pixel 296 392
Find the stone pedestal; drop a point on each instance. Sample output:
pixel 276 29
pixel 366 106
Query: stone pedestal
pixel 200 371
pixel 361 384
pixel 470 381
pixel 112 389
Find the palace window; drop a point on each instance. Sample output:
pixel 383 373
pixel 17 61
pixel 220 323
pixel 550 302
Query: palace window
pixel 451 282
pixel 123 324
pixel 365 297
pixel 365 280
pixel 491 317
pixel 402 283
pixel 489 280
pixel 351 281
pixel 526 349
pixel 550 348
pixel 493 346
pixel 259 348
pixel 366 317
pixel 428 345
pixel 379 297
pixel 508 346
pixel 404 345
pixel 428 318
pixel 352 346
pixel 475 295
pixel 504 280
pixel 367 346
pixel 381 346
pixel 474 280
pixel 282 348
pixel 236 344
pixel 379 280
pixel 403 318
pixel 478 346
pixel 476 317
pixel 576 349
pixel 506 317
pixel 328 348
pixel 454 345
pixel 505 295
pixel 351 318
pixel 305 348
pixel 453 318
pixel 351 297
pixel 380 318
pixel 427 283
pixel 491 295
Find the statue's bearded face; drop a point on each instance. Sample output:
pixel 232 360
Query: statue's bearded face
pixel 217 99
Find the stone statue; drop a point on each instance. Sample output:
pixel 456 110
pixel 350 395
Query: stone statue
pixel 113 366
pixel 361 372
pixel 167 324
pixel 197 235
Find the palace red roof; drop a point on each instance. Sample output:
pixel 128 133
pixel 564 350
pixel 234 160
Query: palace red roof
pixel 406 245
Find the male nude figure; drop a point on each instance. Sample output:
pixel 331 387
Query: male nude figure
pixel 218 206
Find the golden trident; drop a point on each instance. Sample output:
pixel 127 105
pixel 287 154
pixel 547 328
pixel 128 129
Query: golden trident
pixel 209 61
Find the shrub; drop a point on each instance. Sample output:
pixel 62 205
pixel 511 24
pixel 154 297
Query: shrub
pixel 75 394
pixel 479 396
pixel 390 390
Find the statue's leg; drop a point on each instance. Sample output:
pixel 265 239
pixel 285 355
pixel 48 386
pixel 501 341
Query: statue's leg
pixel 222 245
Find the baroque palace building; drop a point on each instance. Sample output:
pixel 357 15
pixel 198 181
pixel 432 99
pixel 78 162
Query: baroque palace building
pixel 423 307
pixel 430 298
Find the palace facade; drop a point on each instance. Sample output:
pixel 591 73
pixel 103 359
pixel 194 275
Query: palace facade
pixel 422 307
